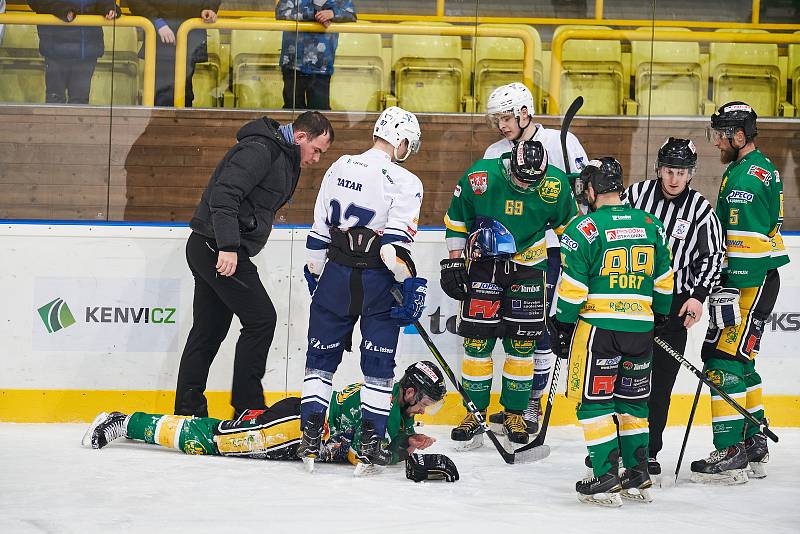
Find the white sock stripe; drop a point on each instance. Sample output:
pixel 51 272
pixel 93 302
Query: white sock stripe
pixel 315 398
pixel 473 378
pixel 634 431
pixel 379 389
pixel 718 418
pixel 754 409
pixel 519 378
pixel 741 395
pixel 753 388
pixel 374 409
pixel 310 378
pixel 600 441
pixel 593 419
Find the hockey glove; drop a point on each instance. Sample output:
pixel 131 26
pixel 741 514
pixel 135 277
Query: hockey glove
pixel 723 307
pixel 660 323
pixel 311 279
pixel 565 331
pixel 336 448
pixel 414 291
pixel 453 279
pixel 421 467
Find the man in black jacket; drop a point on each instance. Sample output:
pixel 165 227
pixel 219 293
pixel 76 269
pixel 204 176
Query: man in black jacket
pixel 167 16
pixel 231 224
pixel 70 53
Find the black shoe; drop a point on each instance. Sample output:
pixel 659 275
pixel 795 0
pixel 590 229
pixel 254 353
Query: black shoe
pixel 514 425
pixel 653 467
pixel 374 448
pixel 467 429
pixel 757 455
pixel 531 415
pixel 726 466
pixel 312 437
pixel 105 428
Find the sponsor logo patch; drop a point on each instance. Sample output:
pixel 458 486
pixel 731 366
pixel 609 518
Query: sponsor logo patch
pixel 609 361
pixel 740 197
pixel 737 107
pixel 457 192
pixel 567 241
pixel 681 229
pixel 588 229
pixel 619 234
pixel 621 217
pixel 762 174
pixel 549 189
pixel 479 181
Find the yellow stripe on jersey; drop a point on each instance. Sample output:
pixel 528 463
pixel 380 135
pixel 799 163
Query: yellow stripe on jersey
pixel 532 255
pixel 518 368
pixel 455 226
pixel 747 245
pixel 665 283
pixel 754 402
pixel 578 362
pixel 476 369
pixel 572 290
pixel 630 306
pixel 599 430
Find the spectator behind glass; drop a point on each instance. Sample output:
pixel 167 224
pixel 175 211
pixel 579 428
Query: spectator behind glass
pixel 307 58
pixel 167 16
pixel 70 53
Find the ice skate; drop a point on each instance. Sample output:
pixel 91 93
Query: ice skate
pixel 374 453
pixel 757 455
pixel 311 443
pixel 654 470
pixel 515 430
pixel 724 467
pixel 496 423
pixel 602 491
pixel 532 414
pixel 636 481
pixel 105 428
pixel 468 434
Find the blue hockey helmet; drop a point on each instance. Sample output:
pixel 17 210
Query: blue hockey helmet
pixel 490 239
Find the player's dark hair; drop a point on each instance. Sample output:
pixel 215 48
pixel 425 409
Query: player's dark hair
pixel 314 124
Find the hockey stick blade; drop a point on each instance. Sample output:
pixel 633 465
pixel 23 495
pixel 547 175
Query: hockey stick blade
pixel 762 425
pixel 508 457
pixel 528 454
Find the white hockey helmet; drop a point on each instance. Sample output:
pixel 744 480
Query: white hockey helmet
pixel 510 98
pixel 395 125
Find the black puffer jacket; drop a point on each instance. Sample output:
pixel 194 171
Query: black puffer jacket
pixel 76 42
pixel 252 182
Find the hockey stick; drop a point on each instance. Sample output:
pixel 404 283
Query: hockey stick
pixel 762 425
pixel 566 121
pixel 507 456
pixel 688 428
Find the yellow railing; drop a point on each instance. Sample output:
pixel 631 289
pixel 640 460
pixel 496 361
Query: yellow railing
pixel 647 35
pixel 149 82
pixel 291 26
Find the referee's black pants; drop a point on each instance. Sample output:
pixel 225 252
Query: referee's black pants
pixel 665 370
pixel 216 300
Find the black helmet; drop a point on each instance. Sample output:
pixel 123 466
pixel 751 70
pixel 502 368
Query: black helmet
pixel 427 379
pixel 528 161
pixel 677 154
pixel 732 116
pixel 605 175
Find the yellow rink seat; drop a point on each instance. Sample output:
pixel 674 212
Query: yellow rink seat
pixel 21 66
pixel 255 62
pixel 748 72
pixel 673 84
pixel 793 72
pixel 593 69
pixel 428 72
pixel 358 73
pixel 498 61
pixel 207 78
pixel 122 52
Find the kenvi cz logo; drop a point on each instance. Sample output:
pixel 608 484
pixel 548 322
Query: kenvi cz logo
pixel 56 315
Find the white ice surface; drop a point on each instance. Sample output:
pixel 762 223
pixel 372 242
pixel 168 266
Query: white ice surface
pixel 48 483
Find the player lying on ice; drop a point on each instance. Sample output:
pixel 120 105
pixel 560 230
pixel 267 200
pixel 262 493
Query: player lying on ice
pixel 274 433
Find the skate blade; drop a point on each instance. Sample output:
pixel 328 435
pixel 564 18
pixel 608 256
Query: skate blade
pixel 656 480
pixel 731 477
pixel 609 500
pixel 368 470
pixel 475 443
pixel 637 494
pixel 498 429
pixel 86 441
pixel 757 470
pixel 532 455
pixel 308 464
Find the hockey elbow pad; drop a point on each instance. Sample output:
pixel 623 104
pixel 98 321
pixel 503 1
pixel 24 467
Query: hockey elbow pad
pixel 398 260
pixel 421 467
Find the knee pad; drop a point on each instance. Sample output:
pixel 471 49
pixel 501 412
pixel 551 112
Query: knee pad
pixel 479 348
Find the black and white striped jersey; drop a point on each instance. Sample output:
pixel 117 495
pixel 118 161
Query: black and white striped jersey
pixel 694 232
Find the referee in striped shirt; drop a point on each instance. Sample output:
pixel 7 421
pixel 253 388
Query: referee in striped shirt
pixel 697 244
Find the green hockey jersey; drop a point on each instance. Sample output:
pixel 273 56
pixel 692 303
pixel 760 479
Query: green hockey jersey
pixel 616 270
pixel 344 418
pixel 750 207
pixel 484 191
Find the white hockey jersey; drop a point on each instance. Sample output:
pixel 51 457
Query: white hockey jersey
pixel 551 141
pixel 365 190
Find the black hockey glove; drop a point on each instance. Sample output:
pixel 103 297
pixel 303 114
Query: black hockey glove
pixel 565 331
pixel 660 323
pixel 454 280
pixel 421 467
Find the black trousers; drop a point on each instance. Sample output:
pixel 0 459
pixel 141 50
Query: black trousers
pixel 306 91
pixel 165 77
pixel 68 81
pixel 665 370
pixel 216 300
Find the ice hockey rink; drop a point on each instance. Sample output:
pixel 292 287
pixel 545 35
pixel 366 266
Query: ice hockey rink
pixel 49 483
